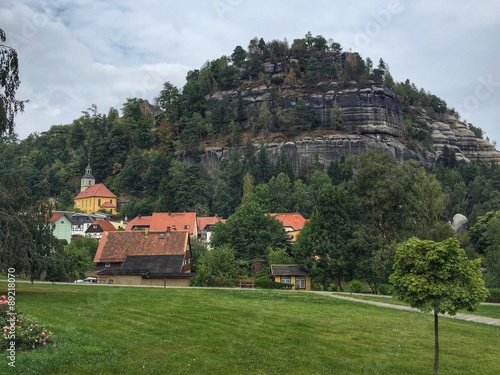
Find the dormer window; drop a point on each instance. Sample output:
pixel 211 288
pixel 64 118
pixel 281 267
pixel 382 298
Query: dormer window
pixel 186 226
pixel 173 227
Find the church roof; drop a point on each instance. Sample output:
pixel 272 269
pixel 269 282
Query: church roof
pixel 97 190
pixel 88 172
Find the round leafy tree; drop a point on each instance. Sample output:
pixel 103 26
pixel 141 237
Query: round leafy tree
pixel 437 277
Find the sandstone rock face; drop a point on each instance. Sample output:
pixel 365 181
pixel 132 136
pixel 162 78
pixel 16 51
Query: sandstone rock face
pixel 324 149
pixel 372 119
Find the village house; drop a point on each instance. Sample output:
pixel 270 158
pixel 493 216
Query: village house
pixel 291 274
pixel 205 225
pixel 144 258
pixel 166 222
pixel 139 223
pixel 98 227
pixel 62 225
pixel 292 223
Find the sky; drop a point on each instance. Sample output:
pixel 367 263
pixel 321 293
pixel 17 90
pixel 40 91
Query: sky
pixel 76 53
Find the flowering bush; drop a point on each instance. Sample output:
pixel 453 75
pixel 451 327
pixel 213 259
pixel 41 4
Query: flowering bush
pixel 26 332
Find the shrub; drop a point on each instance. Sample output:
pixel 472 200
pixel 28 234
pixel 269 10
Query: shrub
pixel 27 332
pixel 494 295
pixel 270 284
pixel 356 286
pixel 385 289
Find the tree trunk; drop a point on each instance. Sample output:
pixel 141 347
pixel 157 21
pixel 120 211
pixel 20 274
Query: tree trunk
pixel 436 343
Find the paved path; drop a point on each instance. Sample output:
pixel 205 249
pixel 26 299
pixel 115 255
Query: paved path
pixel 468 317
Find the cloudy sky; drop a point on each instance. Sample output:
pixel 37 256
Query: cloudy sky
pixel 75 53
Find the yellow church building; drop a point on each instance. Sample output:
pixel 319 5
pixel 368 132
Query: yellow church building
pixel 94 197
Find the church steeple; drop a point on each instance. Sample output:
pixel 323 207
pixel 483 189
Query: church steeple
pixel 88 179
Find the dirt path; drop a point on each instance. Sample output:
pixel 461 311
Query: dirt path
pixel 468 317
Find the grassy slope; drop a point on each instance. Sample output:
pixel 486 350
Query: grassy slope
pixel 112 330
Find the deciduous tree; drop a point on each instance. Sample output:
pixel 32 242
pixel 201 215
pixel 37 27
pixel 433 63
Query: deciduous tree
pixel 437 277
pixel 9 82
pixel 250 232
pixel 324 244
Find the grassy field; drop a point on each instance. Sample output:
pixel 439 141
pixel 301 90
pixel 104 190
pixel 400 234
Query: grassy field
pixel 117 330
pixel 492 311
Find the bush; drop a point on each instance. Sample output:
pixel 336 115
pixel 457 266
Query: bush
pixel 385 289
pixel 356 286
pixel 270 284
pixel 494 295
pixel 26 332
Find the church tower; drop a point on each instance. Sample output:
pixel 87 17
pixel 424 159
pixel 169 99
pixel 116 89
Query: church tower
pixel 88 179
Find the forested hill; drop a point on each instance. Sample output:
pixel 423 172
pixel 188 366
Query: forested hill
pixel 302 112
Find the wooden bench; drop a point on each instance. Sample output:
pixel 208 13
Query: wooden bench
pixel 246 283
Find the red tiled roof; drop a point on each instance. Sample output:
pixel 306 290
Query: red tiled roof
pixel 105 225
pixel 97 190
pixel 139 221
pixel 160 221
pixel 116 246
pixel 108 205
pixel 295 221
pixel 208 220
pixel 56 216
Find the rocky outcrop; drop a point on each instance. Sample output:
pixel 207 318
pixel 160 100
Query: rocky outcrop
pixel 372 119
pixel 453 133
pixel 367 109
pixel 460 223
pixel 324 149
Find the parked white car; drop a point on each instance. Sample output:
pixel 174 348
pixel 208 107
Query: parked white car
pixel 87 280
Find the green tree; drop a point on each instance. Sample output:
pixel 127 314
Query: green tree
pixel 336 114
pixel 324 244
pixel 485 241
pixel 437 277
pixel 279 256
pixel 170 101
pixel 263 167
pixel 26 240
pixel 216 266
pixel 79 254
pixel 238 56
pixel 9 81
pixel 250 232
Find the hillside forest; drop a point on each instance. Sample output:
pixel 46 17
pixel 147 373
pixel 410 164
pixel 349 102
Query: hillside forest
pixel 149 156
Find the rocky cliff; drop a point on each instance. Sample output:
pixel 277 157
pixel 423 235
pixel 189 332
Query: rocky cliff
pixel 372 119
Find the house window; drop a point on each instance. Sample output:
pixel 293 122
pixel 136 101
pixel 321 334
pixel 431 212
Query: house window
pixel 94 226
pixel 173 227
pixel 99 202
pixel 300 282
pixel 285 280
pixel 107 264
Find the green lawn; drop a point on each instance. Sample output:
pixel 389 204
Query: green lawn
pixel 118 330
pixel 492 311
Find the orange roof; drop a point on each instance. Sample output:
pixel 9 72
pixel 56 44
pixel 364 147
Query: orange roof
pixel 116 246
pixel 56 216
pixel 161 221
pixel 295 221
pixel 108 205
pixel 105 225
pixel 97 190
pixel 208 220
pixel 139 221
